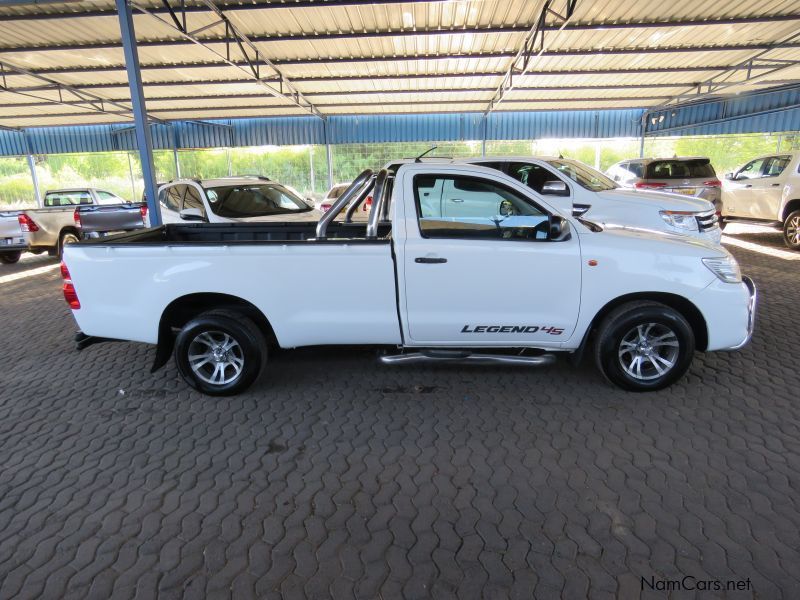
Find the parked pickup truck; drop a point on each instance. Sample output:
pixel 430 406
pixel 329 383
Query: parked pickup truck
pixel 57 224
pixel 13 241
pixel 509 282
pixel 766 191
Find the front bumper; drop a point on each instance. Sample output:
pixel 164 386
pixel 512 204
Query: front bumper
pixel 751 312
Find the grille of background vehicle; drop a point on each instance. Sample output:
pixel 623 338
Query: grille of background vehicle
pixel 707 220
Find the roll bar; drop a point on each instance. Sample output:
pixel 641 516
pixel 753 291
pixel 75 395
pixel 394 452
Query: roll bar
pixel 360 197
pixel 378 200
pixel 360 182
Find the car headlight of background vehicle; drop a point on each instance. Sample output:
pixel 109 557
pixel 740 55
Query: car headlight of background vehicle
pixel 679 219
pixel 724 267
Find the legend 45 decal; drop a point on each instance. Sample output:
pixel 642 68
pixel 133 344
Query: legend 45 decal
pixel 511 329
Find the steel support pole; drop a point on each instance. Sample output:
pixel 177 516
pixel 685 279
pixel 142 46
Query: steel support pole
pixel 177 163
pixel 311 166
pixel 483 136
pixel 35 178
pixel 645 114
pixel 328 155
pixel 143 139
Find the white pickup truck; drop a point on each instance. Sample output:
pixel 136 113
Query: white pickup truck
pixel 510 281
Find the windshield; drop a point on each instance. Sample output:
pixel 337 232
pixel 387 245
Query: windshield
pixel 680 169
pixel 584 176
pixel 253 200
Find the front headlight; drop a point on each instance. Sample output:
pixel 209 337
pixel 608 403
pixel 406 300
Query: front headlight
pixel 724 267
pixel 679 219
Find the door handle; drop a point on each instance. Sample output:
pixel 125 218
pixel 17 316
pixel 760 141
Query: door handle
pixel 748 185
pixel 775 185
pixel 456 199
pixel 429 260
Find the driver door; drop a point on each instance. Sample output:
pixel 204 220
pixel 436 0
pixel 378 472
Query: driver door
pixel 483 271
pixel 740 189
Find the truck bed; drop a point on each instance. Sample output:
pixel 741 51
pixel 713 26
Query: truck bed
pixel 239 233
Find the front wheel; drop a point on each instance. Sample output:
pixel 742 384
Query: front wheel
pixel 9 258
pixel 644 346
pixel 220 353
pixel 791 230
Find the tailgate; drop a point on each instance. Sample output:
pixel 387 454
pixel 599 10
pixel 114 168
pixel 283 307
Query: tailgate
pixel 115 217
pixel 10 232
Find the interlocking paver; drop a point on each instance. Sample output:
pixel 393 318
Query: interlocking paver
pixel 334 477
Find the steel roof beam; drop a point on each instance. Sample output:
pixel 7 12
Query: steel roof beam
pixel 416 76
pixel 253 62
pixel 302 4
pixel 256 107
pixel 91 101
pixel 337 35
pixel 367 59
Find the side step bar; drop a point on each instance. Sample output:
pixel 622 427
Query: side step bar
pixel 465 357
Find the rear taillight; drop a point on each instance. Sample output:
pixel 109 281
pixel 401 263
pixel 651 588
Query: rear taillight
pixel 70 295
pixel 27 224
pixel 76 216
pixel 712 183
pixel 367 203
pixel 325 207
pixel 143 211
pixel 645 185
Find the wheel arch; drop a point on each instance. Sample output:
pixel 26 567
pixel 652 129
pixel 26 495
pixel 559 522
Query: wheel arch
pixel 789 208
pixel 181 310
pixel 682 305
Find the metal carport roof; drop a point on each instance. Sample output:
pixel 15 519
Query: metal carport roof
pixel 62 63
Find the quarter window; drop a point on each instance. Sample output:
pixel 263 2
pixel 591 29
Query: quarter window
pixel 472 208
pixel 172 197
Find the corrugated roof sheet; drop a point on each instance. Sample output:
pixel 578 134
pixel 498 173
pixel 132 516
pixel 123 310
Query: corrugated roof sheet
pixel 412 56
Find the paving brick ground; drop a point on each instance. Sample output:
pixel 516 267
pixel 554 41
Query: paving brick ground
pixel 335 477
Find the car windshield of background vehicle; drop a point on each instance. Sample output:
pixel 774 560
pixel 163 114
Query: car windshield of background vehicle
pixel 67 198
pixel 253 200
pixel 584 176
pixel 680 169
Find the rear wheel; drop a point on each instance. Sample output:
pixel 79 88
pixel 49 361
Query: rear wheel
pixel 644 346
pixel 220 353
pixel 791 230
pixel 10 258
pixel 66 238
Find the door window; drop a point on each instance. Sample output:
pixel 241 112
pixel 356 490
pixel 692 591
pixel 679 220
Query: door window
pixel 751 170
pixel 172 197
pixel 774 165
pixel 108 198
pixel 532 175
pixel 192 199
pixel 472 208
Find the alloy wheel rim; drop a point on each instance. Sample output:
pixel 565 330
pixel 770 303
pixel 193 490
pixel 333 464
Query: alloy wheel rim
pixel 793 231
pixel 648 351
pixel 215 357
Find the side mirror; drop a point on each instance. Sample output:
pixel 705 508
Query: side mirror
pixel 730 175
pixel 192 214
pixel 555 187
pixel 506 208
pixel 558 230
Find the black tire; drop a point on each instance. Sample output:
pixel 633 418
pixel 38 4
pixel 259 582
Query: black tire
pixel 9 258
pixel 213 326
pixel 68 237
pixel 791 231
pixel 619 342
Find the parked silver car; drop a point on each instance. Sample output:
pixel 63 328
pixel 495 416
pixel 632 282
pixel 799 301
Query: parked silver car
pixel 687 175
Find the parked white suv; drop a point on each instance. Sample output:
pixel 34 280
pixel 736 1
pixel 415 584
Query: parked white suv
pixel 766 191
pixel 577 189
pixel 232 199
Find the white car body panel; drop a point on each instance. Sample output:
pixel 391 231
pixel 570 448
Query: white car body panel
pixel 125 288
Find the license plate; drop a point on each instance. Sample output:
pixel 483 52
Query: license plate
pixel 685 191
pixel 6 241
